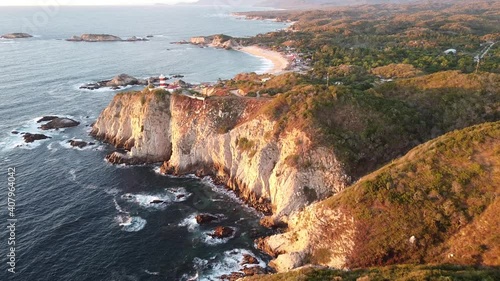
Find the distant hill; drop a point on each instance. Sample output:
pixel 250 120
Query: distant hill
pixel 296 4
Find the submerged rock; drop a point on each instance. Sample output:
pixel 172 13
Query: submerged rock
pixel 205 218
pixel 59 123
pixel 16 35
pixel 29 138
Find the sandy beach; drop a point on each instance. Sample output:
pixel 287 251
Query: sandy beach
pixel 279 61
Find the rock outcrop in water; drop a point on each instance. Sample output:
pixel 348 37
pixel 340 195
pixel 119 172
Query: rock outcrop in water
pixel 16 36
pixel 120 81
pixel 59 123
pixel 215 41
pixel 103 38
pixel 225 138
pixel 29 138
pixel 79 143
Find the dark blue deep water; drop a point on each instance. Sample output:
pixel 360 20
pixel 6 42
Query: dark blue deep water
pixel 78 217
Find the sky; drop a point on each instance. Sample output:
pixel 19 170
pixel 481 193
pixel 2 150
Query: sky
pixel 86 2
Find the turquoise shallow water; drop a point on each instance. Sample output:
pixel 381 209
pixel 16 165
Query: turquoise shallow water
pixel 80 218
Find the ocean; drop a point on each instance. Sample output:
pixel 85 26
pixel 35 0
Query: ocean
pixel 77 216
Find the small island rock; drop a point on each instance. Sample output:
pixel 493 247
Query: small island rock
pixel 119 81
pixel 16 36
pixel 79 144
pixel 222 232
pixel 29 138
pixel 59 123
pixel 95 38
pixel 205 218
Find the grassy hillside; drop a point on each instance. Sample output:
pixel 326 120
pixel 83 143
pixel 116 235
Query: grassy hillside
pixel 394 273
pixel 438 193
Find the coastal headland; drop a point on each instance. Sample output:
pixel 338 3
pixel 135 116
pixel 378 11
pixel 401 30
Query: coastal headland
pixel 377 154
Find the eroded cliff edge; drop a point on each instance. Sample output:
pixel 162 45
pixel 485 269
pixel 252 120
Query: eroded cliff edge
pixel 227 138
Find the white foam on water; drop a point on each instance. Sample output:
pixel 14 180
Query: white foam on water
pixel 152 273
pixel 190 278
pixel 103 89
pixel 208 181
pixel 91 187
pixel 267 65
pixel 157 170
pixel 229 262
pixel 123 219
pixel 209 240
pixel 10 143
pixel 119 208
pixel 100 148
pixel 112 191
pixel 134 224
pixel 66 144
pixel 72 172
pixel 190 223
pixel 121 166
pixel 179 194
pixel 51 147
pixel 146 200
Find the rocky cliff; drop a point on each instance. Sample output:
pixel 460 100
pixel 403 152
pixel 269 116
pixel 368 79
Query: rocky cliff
pixel 226 138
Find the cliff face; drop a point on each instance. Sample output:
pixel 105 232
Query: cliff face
pixel 227 139
pixel 139 124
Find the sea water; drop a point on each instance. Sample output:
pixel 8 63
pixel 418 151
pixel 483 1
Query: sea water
pixel 78 217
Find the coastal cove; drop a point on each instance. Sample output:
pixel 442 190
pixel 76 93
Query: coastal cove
pixel 83 218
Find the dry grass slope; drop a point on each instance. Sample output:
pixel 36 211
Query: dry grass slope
pixel 438 193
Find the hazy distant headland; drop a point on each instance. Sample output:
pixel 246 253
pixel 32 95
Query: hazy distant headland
pixel 16 36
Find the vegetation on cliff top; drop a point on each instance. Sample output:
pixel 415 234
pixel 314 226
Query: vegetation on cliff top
pixel 367 128
pixel 371 36
pixel 394 273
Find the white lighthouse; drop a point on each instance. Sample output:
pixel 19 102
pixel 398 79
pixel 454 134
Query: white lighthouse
pixel 163 81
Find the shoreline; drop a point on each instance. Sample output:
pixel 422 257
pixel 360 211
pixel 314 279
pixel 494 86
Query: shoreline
pixel 279 61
